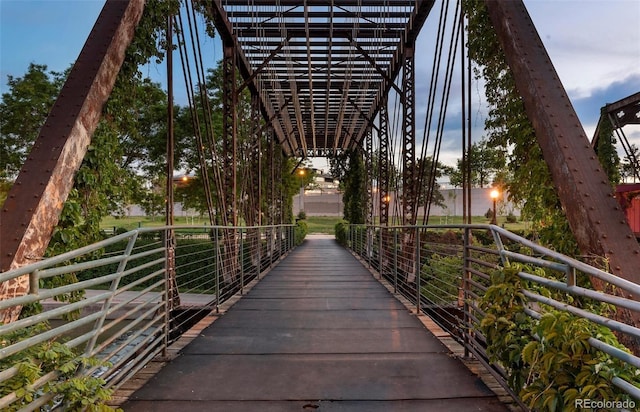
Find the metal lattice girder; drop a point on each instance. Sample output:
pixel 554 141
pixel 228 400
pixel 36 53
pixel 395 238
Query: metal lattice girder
pixel 255 165
pixel 383 163
pixel 596 219
pixel 270 187
pixel 369 197
pixel 332 62
pixel 409 180
pixel 34 203
pixel 230 133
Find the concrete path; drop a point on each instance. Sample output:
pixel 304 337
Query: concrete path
pixel 317 333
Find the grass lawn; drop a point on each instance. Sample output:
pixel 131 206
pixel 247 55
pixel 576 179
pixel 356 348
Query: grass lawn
pixel 316 224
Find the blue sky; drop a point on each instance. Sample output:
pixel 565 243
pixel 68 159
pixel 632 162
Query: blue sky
pixel 594 45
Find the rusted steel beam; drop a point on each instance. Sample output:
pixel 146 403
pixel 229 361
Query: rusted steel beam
pixel 34 203
pixel 229 133
pixel 421 11
pixel 368 153
pixel 624 111
pixel 409 180
pixel 596 219
pixel 223 26
pixel 384 173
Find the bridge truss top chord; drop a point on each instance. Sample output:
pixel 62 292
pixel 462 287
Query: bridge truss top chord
pixel 320 68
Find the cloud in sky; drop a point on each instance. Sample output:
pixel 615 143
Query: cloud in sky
pixel 594 45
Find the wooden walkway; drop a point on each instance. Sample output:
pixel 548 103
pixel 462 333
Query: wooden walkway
pixel 317 333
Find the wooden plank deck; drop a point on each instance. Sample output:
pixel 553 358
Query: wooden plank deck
pixel 317 333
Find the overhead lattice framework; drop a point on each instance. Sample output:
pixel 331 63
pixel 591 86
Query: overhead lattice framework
pixel 320 68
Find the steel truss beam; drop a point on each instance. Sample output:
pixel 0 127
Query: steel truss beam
pixel 409 180
pixel 230 161
pixel 229 133
pixel 34 203
pixel 304 51
pixel 369 197
pixel 596 219
pixel 383 163
pixel 223 26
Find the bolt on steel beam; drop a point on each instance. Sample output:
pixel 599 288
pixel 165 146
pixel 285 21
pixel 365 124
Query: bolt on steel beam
pixel 34 203
pixel 596 219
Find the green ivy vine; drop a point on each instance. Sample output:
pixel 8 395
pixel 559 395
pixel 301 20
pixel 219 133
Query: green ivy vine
pixel 529 182
pixel 100 184
pixel 549 362
pixel 75 393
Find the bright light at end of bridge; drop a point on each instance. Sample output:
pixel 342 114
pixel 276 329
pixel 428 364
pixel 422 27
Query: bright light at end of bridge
pixel 494 194
pixel 301 172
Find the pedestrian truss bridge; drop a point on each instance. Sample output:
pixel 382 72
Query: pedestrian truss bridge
pixel 305 323
pixel 245 313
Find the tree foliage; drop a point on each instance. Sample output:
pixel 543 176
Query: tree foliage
pixel 549 361
pixel 629 169
pixel 606 149
pixel 425 171
pixel 22 112
pixel 486 161
pixel 529 184
pixel 353 197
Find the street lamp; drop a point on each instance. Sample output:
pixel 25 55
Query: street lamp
pixel 494 195
pixel 301 174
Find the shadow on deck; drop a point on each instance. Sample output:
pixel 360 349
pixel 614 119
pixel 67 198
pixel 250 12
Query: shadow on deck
pixel 317 333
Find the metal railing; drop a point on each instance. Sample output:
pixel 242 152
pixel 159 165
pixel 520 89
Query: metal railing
pixel 133 295
pixel 448 271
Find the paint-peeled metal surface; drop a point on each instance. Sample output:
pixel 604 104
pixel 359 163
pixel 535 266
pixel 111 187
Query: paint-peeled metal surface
pixel 595 217
pixel 34 203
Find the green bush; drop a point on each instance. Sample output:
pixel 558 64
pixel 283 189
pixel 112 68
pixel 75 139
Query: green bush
pixel 511 218
pixel 341 228
pixel 301 231
pixel 441 278
pixel 195 258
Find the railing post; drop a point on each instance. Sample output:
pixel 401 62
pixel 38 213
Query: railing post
pixel 272 245
pixel 395 260
pixel 417 270
pixel 217 246
pixel 114 287
pixel 466 274
pixel 259 246
pixel 242 262
pixel 380 252
pixel 368 231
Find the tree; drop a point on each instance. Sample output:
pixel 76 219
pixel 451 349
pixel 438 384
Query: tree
pixel 354 188
pixel 22 112
pixel 606 149
pixel 486 161
pixel 530 183
pixel 425 175
pixel 628 168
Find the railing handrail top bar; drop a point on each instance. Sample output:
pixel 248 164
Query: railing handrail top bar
pixel 581 266
pixel 48 262
pixel 165 227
